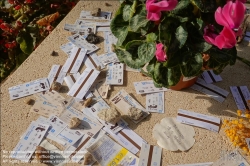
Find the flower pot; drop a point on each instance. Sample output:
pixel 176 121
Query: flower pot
pixel 184 83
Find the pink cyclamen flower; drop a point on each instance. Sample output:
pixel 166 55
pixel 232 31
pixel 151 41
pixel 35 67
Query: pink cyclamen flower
pixel 231 15
pixel 160 53
pixel 155 8
pixel 226 38
pixel 243 1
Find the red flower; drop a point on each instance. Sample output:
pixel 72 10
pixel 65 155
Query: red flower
pixel 17 7
pixel 10 45
pixel 5 27
pixel 19 23
pixel 29 1
pixel 1 21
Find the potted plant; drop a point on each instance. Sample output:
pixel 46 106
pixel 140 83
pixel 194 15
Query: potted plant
pixel 178 38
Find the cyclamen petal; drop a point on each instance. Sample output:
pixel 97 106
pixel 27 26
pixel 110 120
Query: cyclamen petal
pixel 160 53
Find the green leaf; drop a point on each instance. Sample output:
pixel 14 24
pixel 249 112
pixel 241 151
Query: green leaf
pixel 151 37
pixel 150 67
pixel 181 6
pixel 174 75
pixel 120 54
pixel 129 10
pixel 181 35
pixel 139 20
pixel 26 42
pixel 119 28
pixel 146 51
pixel 191 64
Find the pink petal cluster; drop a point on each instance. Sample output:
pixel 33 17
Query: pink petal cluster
pixel 231 15
pixel 160 53
pixel 155 7
pixel 226 38
pixel 243 1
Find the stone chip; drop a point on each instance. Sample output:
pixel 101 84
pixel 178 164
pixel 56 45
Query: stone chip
pixel 135 113
pixel 110 115
pixel 74 122
pixel 88 159
pixel 56 86
pixel 42 155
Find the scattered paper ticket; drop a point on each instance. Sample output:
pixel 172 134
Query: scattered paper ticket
pixel 56 74
pixel 103 15
pixel 231 159
pixel 83 83
pixel 66 48
pixel 150 155
pixel 195 164
pixel 210 77
pixel 241 96
pixel 30 140
pixel 108 58
pixel 110 39
pixel 28 88
pixel 102 88
pixel 144 87
pixel 115 74
pixel 210 90
pixel 200 120
pixel 155 102
pixel 74 61
pixel 109 153
pixel 71 79
pixel 123 101
pixel 92 61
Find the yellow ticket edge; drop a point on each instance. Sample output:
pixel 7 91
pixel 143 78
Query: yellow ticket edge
pixel 120 155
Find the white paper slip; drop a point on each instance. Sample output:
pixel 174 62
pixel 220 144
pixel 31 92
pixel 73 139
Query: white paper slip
pixel 103 15
pixel 195 164
pixel 231 159
pixel 210 77
pixel 155 102
pixel 210 90
pixel 150 155
pixel 144 87
pixel 115 74
pixel 123 101
pixel 127 68
pixel 86 28
pixel 30 140
pixel 102 88
pixel 56 74
pixel 83 83
pixel 71 79
pixel 74 61
pixel 241 96
pixel 92 61
pixel 69 135
pixel 110 39
pixel 98 24
pixel 57 125
pixel 107 152
pixel 108 58
pixel 67 48
pixel 200 120
pixel 70 27
pixel 103 29
pixel 28 88
pixel 127 138
pixel 51 96
pixel 248 142
pixel 80 42
pixel 85 143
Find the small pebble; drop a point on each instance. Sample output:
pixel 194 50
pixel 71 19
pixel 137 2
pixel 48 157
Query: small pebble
pixel 53 53
pixel 29 101
pixel 87 102
pixel 56 86
pixel 110 115
pixel 74 122
pixel 135 113
pixel 107 4
pixel 88 159
pixel 42 155
pixel 92 38
pixel 98 68
pixel 56 144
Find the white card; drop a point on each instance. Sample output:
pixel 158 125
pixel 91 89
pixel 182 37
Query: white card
pixel 92 61
pixel 98 24
pixel 103 29
pixel 195 164
pixel 108 58
pixel 56 74
pixel 83 83
pixel 67 48
pixel 211 90
pixel 87 15
pixel 69 135
pixel 71 79
pixel 155 102
pixel 57 125
pixel 86 28
pixel 29 141
pixel 231 159
pixel 123 101
pixel 70 27
pixel 144 87
pixel 28 88
pixel 74 61
pixel 102 88
pixel 108 152
pixel 115 74
pixel 150 155
pixel 210 77
pixel 81 42
pixel 127 138
pixel 241 96
pixel 109 40
pixel 200 120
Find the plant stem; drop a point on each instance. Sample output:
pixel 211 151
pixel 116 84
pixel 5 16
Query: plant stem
pixel 247 62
